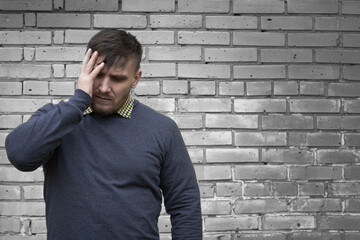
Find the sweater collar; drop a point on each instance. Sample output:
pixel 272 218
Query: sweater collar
pixel 125 111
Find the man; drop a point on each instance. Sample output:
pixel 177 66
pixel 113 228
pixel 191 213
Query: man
pixel 107 158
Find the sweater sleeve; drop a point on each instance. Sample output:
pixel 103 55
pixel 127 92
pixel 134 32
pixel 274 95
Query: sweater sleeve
pixel 181 190
pixel 33 143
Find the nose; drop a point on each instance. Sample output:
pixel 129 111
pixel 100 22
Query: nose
pixel 104 86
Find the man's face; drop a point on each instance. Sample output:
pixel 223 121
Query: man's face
pixel 112 87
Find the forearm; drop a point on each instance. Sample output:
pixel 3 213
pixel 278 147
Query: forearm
pixel 32 144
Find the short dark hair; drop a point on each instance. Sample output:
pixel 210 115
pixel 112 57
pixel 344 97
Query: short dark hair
pixel 117 47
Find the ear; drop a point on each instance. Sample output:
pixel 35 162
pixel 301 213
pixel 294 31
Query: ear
pixel 137 78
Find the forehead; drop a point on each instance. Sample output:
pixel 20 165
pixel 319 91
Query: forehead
pixel 128 68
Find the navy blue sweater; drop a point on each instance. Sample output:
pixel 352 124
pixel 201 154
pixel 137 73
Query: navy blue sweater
pixel 105 175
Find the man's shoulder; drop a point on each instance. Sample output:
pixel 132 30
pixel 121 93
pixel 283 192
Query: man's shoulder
pixel 141 110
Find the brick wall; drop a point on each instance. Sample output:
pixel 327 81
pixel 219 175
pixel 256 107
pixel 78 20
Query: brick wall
pixel 266 93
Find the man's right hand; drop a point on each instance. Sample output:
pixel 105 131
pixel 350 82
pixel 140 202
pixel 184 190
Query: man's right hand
pixel 88 72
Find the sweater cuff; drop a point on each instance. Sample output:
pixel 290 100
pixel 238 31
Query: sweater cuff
pixel 80 100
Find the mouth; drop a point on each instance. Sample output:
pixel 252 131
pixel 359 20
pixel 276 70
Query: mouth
pixel 102 98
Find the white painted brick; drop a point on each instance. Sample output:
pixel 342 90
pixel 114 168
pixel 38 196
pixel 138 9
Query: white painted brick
pixel 204 105
pixel 22 208
pixel 12 105
pixel 25 71
pixel 154 37
pixel 9 121
pixel 3 156
pixel 164 224
pixel 25 37
pixel 92 5
pixel 9 192
pixel 73 70
pixel 204 38
pixel 337 23
pixel 230 54
pixel 59 53
pixel 201 138
pixel 58 4
pixel 231 88
pixel 63 20
pixel 219 172
pixel 196 155
pixel 260 105
pixel 29 53
pixel 26 5
pixel 175 21
pixel 36 88
pixel 144 6
pixel 231 155
pixel 313 72
pixel 258 39
pixel 286 88
pixel 260 139
pixel 30 19
pixel 185 121
pixel 312 88
pixel 259 6
pixel 59 70
pixel 313 39
pixel 158 69
pixel 231 223
pixel 175 53
pixel 202 87
pixel 352 106
pixel 337 56
pixel 258 88
pixel 204 6
pixel 215 207
pixel 203 71
pixel 313 6
pixel 38 226
pixel 62 88
pixel 351 72
pixel 231 121
pixel 231 22
pixel 11 174
pixel 350 7
pixel 159 104
pixel 286 23
pixel 10 88
pixel 147 88
pixel 33 192
pixel 58 37
pixel 175 87
pixel 79 36
pixel 344 89
pixel 351 40
pixel 11 54
pixel 286 55
pixel 10 225
pixel 119 21
pixel 11 20
pixel 256 71
pixel 315 105
pixel 3 136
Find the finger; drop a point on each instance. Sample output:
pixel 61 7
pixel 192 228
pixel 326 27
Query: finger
pixel 97 70
pixel 86 59
pixel 90 64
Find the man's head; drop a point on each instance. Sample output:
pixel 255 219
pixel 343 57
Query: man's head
pixel 121 53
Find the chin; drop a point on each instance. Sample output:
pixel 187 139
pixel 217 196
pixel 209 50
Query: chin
pixel 103 111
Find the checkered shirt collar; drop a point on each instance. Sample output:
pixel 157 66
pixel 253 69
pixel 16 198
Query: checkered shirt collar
pixel 125 111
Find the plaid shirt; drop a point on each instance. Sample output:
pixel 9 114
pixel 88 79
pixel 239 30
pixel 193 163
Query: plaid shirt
pixel 124 111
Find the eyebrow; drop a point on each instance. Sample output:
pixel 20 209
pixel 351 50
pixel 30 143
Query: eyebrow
pixel 119 76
